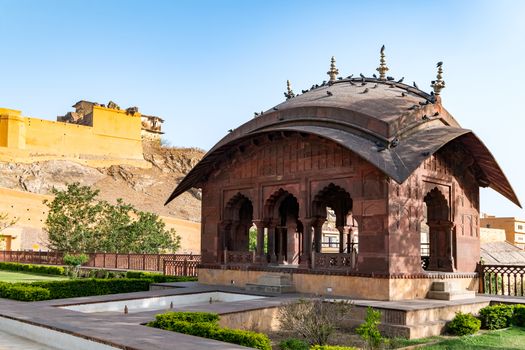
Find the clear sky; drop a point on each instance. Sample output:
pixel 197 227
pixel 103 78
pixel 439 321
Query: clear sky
pixel 206 66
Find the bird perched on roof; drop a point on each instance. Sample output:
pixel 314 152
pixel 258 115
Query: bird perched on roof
pixel 351 82
pixel 394 143
pixel 329 93
pixel 230 130
pixel 339 78
pixel 375 86
pixel 275 108
pixel 255 114
pixel 361 75
pixel 425 117
pixel 403 94
pixel 363 83
pixel 375 76
pixel 413 107
pixel 350 76
pixel 365 91
pixel 303 91
pixel 390 78
pixel 415 85
pixel 401 80
pixel 439 64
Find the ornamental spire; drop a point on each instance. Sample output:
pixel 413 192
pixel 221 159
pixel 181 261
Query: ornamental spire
pixel 382 69
pixel 289 92
pixel 439 83
pixel 333 72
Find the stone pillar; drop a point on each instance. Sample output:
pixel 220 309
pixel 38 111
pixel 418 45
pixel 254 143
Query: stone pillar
pixel 224 232
pixel 307 243
pixel 342 239
pixel 292 245
pixel 318 234
pixel 272 227
pixel 260 257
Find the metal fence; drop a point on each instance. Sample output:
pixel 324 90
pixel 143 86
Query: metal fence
pixel 501 279
pixel 170 264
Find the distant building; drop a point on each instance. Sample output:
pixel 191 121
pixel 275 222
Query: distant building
pixel 514 228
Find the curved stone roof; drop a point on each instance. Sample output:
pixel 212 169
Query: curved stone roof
pixel 392 125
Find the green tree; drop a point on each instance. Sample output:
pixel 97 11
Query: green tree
pixel 78 222
pixel 369 331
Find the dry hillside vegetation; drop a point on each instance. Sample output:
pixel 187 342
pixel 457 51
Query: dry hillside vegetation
pixel 146 189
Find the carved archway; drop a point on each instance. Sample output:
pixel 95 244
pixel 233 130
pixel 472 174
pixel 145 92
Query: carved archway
pixel 333 199
pixel 237 220
pixel 285 229
pixel 440 232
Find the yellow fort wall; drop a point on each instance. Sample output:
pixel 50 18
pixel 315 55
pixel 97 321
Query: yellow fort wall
pixel 114 138
pixel 31 214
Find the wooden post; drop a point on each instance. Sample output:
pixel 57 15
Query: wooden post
pixel 185 268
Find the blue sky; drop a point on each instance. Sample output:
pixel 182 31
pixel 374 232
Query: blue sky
pixel 206 66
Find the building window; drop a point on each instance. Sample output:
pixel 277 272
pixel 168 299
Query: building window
pixel 520 227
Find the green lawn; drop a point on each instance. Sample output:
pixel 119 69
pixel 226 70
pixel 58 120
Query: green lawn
pixel 13 277
pixel 509 339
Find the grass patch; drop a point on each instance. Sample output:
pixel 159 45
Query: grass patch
pixel 511 338
pixel 16 277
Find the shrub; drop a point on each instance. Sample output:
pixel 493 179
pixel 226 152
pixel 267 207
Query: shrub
pixel 293 344
pixel 314 319
pixel 332 347
pixel 74 261
pixel 464 324
pixel 92 286
pixel 496 316
pixel 368 330
pixel 42 269
pixel 159 278
pixel 202 324
pixel 23 292
pixel 518 317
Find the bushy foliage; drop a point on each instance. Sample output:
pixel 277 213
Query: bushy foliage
pixel 496 316
pixel 159 278
pixel 41 269
pixel 74 261
pixel 332 347
pixel 464 324
pixel 71 288
pixel 369 331
pixel 23 292
pixel 78 222
pixel 206 325
pixel 313 319
pixel 518 317
pixel 293 344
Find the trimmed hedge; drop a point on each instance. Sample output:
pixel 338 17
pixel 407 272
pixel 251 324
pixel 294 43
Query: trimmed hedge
pixel 159 278
pixel 332 347
pixel 518 318
pixel 293 344
pixel 496 316
pixel 71 288
pixel 23 292
pixel 202 324
pixel 42 269
pixel 464 324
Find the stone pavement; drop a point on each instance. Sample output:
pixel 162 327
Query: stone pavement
pixel 13 342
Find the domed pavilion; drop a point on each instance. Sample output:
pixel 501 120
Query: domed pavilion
pixel 384 157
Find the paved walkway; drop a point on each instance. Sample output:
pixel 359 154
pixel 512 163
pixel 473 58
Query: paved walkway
pixel 13 342
pixel 126 331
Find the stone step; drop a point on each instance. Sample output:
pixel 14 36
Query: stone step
pixel 274 280
pixel 269 289
pixel 451 295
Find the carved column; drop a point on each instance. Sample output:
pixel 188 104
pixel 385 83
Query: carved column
pixel 307 243
pixel 260 257
pixel 224 232
pixel 343 241
pixel 318 234
pixel 292 245
pixel 272 227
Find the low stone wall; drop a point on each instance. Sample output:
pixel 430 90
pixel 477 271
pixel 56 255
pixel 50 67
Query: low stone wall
pixel 359 287
pixel 260 320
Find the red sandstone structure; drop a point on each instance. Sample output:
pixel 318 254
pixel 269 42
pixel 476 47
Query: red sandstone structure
pixel 377 152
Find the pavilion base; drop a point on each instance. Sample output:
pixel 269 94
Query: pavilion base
pixel 339 283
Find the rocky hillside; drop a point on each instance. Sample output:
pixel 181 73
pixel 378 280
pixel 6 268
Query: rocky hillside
pixel 146 189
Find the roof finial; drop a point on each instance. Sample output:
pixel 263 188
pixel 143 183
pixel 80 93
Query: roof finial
pixel 382 69
pixel 439 83
pixel 333 70
pixel 289 92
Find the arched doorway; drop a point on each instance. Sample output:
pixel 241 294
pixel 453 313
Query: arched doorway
pixel 439 232
pixel 285 229
pixel 238 219
pixel 332 207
